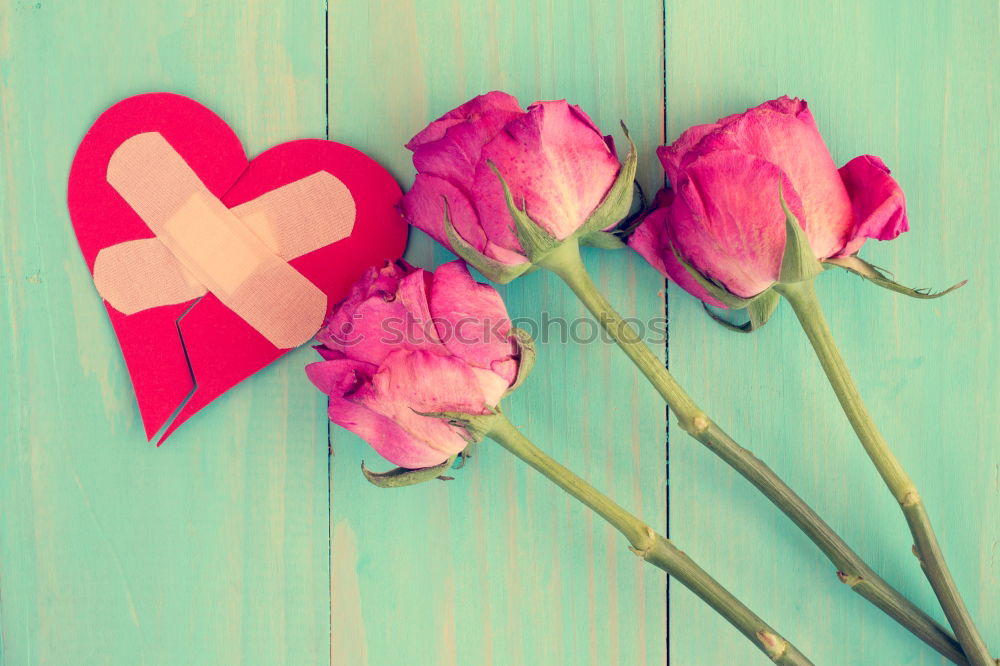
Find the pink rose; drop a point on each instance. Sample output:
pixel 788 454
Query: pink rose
pixel 724 214
pixel 406 340
pixel 553 158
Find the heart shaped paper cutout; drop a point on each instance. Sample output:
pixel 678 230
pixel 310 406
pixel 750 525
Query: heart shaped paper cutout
pixel 183 355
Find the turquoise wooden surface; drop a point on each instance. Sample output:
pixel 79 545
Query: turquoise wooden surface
pixel 498 566
pixel 915 83
pixel 211 549
pixel 233 545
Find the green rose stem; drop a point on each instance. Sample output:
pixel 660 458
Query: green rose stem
pixel 565 262
pixel 650 546
pixel 802 297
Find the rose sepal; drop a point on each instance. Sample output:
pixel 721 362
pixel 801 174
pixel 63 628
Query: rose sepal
pixel 859 266
pixel 535 241
pixel 476 426
pixel 401 476
pixel 602 240
pixel 526 356
pixel 718 291
pixel 759 310
pixel 798 262
pixel 618 201
pixel 492 269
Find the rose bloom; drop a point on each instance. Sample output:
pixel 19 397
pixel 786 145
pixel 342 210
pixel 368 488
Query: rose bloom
pixel 406 340
pixel 553 158
pixel 724 214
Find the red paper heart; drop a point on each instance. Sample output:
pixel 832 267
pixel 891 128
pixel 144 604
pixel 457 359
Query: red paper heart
pixel 201 348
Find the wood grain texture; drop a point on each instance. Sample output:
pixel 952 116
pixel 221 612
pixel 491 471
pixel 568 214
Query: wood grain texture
pixel 498 566
pixel 224 546
pixel 211 549
pixel 915 84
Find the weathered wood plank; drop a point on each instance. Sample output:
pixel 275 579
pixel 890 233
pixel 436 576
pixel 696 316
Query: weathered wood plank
pixel 498 567
pixel 212 549
pixel 917 86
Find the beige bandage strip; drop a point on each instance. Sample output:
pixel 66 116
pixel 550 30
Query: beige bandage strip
pixel 291 221
pixel 302 216
pixel 142 274
pixel 215 249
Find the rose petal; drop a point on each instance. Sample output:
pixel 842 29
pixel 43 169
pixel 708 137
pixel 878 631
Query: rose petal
pixel 384 321
pixel 492 385
pixel 338 330
pixel 339 377
pixel 672 155
pixel 783 104
pixel 409 382
pixel 475 108
pixel 650 240
pixel 450 147
pixel 470 318
pixel 506 369
pixel 609 140
pixel 423 207
pixel 878 202
pixel 329 354
pixel 428 382
pixel 784 133
pixel 455 156
pixel 505 255
pixel 342 381
pixel 732 226
pixel 414 292
pixel 554 161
